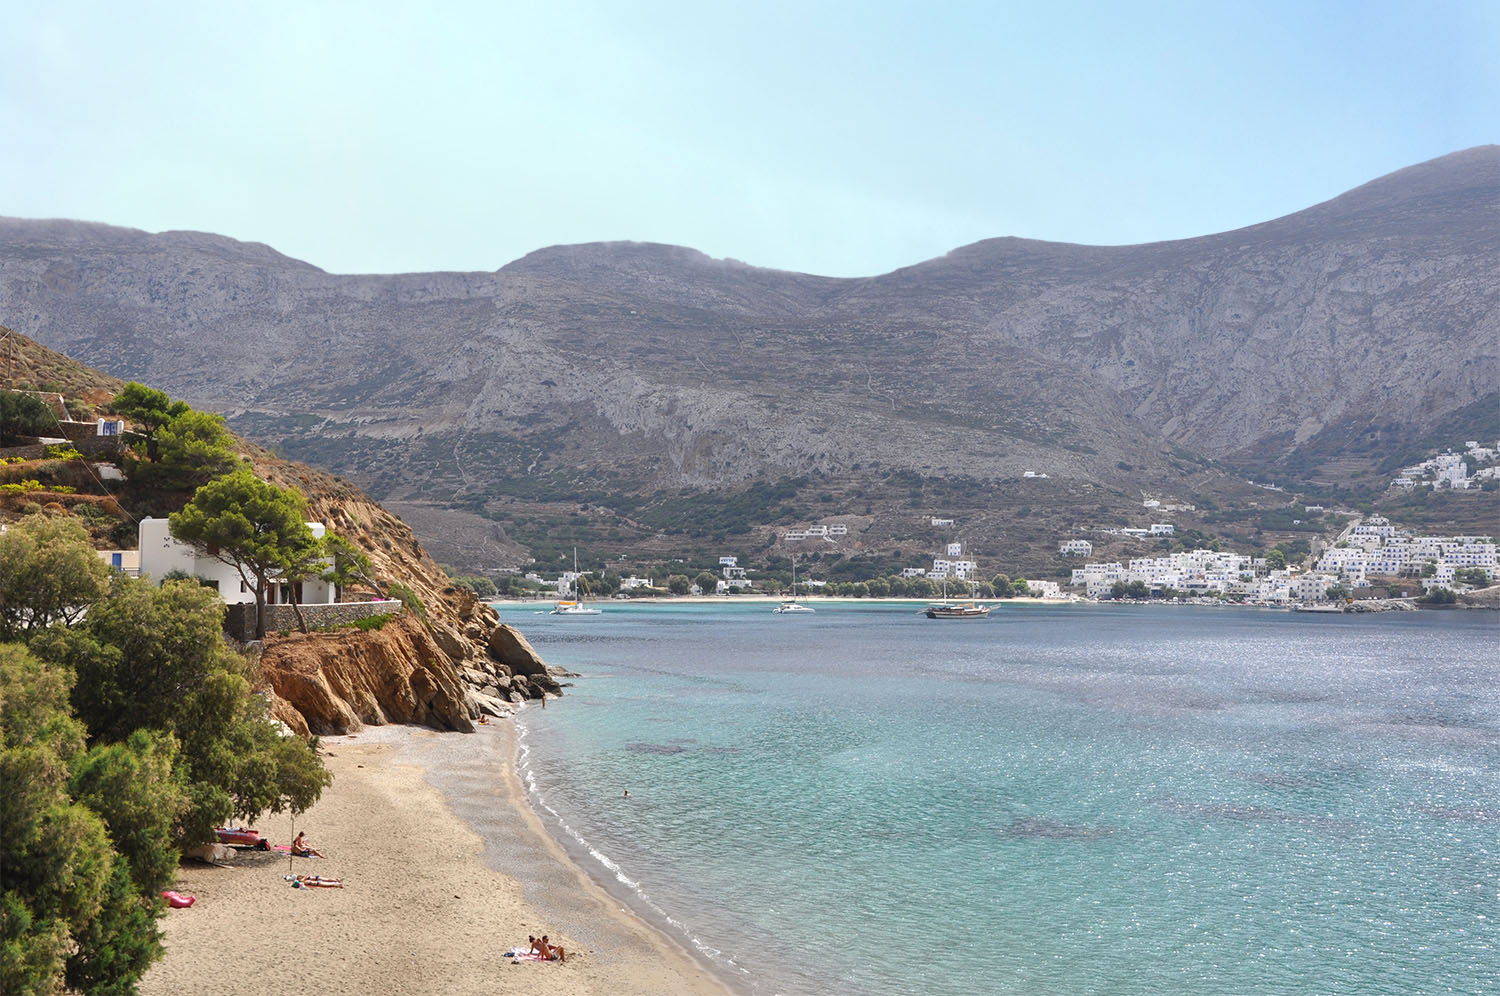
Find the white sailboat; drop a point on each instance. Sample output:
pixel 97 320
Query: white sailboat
pixel 576 607
pixel 791 604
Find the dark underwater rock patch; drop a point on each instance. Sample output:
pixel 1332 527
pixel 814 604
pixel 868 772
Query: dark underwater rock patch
pixel 1040 828
pixel 640 748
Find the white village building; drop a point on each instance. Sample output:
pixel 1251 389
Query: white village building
pixel 161 554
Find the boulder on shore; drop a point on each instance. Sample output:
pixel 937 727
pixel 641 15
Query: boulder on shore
pixel 507 646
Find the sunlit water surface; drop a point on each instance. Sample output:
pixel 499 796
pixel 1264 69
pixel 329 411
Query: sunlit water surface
pixel 1050 801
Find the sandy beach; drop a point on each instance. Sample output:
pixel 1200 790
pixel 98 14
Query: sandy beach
pixel 445 868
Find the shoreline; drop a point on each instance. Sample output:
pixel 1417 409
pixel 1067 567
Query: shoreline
pixel 445 867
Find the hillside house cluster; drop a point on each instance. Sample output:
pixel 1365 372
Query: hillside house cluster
pixel 159 554
pixel 1451 470
pixel 1142 532
pixel 1200 572
pixel 953 565
pixel 1375 547
pixel 828 533
pixel 1160 506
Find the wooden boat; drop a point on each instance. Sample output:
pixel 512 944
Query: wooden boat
pixel 961 610
pixel 956 610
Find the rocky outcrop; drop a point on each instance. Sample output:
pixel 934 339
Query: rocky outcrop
pixel 328 683
pixel 515 655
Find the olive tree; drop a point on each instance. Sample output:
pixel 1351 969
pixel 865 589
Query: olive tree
pixel 49 573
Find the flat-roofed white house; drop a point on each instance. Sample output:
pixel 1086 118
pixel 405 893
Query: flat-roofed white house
pixel 161 554
pixel 1076 548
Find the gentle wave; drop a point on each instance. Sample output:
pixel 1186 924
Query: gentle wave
pixel 616 872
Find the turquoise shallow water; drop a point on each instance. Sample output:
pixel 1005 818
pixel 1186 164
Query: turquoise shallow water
pixel 1054 800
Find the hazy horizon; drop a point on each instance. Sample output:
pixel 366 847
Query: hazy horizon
pixel 837 139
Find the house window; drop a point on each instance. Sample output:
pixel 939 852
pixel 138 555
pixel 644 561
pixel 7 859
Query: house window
pixel 213 549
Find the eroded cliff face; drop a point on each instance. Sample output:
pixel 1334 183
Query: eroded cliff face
pixel 443 669
pixel 325 683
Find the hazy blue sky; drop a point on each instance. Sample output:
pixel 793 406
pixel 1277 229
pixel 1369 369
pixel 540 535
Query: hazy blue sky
pixel 835 138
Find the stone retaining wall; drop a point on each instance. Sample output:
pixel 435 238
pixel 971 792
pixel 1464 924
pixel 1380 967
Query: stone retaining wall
pixel 239 619
pixel 89 446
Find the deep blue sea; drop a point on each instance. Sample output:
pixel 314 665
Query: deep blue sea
pixel 1054 800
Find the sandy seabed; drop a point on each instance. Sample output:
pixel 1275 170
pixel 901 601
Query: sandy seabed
pixel 445 868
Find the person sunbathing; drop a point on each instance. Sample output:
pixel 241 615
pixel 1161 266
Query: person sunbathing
pixel 319 882
pixel 302 849
pixel 551 952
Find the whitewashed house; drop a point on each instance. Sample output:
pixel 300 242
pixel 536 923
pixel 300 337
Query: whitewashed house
pixel 160 554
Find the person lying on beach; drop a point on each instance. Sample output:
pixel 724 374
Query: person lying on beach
pixel 302 849
pixel 319 882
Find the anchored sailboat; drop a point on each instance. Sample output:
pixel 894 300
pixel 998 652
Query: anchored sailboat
pixel 791 604
pixel 575 607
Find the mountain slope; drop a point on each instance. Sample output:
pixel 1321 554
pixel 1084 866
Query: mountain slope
pixel 626 370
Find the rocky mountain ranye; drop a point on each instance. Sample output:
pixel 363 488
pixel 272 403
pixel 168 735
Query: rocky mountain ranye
pixel 633 390
pixel 442 668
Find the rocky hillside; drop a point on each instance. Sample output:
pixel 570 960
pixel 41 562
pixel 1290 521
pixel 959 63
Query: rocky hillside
pixel 617 378
pixel 442 668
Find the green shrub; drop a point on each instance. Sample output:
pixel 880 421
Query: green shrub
pixel 408 598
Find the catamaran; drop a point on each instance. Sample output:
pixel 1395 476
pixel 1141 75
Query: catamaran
pixel 575 607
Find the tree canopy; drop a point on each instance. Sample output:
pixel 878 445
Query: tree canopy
pixel 123 736
pixel 255 526
pixel 183 448
pixel 49 573
pixel 67 892
pixel 24 415
pixel 191 449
